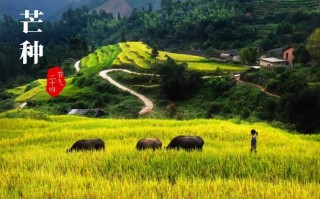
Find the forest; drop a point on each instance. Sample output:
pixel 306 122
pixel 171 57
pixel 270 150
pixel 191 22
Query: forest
pixel 178 26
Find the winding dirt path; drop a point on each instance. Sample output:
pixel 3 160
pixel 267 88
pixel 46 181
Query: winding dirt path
pixel 77 66
pixel 147 102
pixel 260 87
pixel 148 105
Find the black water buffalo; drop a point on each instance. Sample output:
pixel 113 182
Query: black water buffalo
pixel 186 142
pixel 81 145
pixel 149 143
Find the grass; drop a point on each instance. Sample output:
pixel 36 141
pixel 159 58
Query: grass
pixel 33 92
pixel 315 84
pixel 34 163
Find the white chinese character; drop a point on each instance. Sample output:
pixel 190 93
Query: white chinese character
pixel 34 51
pixel 33 18
pixel 52 89
pixel 52 83
pixel 60 74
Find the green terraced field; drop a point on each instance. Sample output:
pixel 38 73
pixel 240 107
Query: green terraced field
pixel 270 7
pixel 39 93
pixel 139 54
pixel 100 59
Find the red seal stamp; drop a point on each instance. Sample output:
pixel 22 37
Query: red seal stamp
pixel 55 81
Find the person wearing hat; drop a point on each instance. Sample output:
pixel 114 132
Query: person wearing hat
pixel 254 134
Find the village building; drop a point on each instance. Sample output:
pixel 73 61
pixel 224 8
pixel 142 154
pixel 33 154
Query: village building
pixel 227 56
pixel 87 112
pixel 281 53
pixel 288 54
pixel 273 62
pixel 277 53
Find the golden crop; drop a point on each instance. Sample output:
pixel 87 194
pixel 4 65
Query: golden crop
pixel 34 162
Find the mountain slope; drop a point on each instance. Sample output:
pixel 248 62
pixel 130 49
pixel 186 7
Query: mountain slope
pixel 115 7
pixel 52 9
pixel 125 7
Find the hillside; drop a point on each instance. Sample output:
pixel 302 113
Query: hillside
pixel 139 54
pixel 134 54
pixel 34 162
pixel 52 9
pixel 115 7
pixel 278 96
pixel 125 7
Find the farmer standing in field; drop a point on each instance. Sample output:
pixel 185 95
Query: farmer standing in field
pixel 254 134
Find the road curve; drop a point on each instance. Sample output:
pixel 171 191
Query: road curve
pixel 147 102
pixel 259 87
pixel 76 65
pixel 104 74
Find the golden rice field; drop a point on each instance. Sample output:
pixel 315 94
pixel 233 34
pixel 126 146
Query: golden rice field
pixel 33 162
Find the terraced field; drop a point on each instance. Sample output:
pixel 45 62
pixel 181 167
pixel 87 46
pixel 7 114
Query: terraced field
pixel 270 7
pixel 39 93
pixel 139 54
pixel 99 59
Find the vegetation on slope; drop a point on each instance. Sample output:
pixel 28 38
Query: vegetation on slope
pixel 273 7
pixel 192 25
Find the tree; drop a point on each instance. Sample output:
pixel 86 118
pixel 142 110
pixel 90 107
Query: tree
pixel 248 55
pixel 155 53
pixel 177 83
pixel 167 6
pixel 150 8
pixel 304 110
pixel 313 44
pixel 301 55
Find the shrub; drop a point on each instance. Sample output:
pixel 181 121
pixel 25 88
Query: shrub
pixel 26 114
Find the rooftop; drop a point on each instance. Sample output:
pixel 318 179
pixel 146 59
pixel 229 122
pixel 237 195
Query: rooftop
pixel 273 60
pixel 86 112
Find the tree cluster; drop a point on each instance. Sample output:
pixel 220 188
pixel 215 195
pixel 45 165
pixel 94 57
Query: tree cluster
pixel 177 83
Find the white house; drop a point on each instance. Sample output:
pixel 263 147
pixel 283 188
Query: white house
pixel 272 62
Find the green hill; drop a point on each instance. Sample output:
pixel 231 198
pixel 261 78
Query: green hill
pixel 34 163
pixel 134 54
pixel 139 54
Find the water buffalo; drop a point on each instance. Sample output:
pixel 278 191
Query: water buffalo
pixel 186 142
pixel 149 143
pixel 81 145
